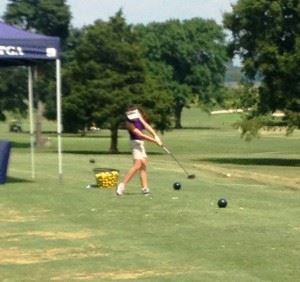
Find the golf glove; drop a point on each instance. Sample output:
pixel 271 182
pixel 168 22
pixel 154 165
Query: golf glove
pixel 158 141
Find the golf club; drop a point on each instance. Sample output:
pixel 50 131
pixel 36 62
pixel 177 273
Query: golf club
pixel 190 176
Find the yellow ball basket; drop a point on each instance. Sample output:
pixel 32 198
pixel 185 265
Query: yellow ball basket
pixel 106 177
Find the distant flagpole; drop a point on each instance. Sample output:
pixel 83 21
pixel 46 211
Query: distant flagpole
pixel 31 121
pixel 59 118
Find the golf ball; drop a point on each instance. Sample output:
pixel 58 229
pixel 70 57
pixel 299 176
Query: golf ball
pixel 222 203
pixel 177 185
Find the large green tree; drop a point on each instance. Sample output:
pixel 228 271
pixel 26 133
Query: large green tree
pixel 11 93
pixel 49 17
pixel 266 35
pixel 108 74
pixel 191 55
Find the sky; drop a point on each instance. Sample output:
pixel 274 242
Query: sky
pixel 143 11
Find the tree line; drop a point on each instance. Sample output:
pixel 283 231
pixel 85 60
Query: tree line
pixel 163 67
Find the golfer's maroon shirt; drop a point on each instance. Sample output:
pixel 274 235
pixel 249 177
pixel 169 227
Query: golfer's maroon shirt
pixel 137 124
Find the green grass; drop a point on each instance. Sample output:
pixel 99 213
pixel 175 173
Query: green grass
pixel 53 231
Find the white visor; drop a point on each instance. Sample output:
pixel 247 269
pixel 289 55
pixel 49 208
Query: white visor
pixel 134 114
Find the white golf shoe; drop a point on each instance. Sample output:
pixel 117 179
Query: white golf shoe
pixel 146 191
pixel 120 190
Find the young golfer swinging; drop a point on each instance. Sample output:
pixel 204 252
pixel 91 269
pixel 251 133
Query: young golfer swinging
pixel 136 124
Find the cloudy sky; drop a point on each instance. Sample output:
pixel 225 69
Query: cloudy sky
pixel 144 11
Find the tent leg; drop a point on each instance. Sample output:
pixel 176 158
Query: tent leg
pixel 31 120
pixel 59 118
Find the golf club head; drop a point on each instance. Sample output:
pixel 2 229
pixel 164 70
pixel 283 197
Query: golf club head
pixel 189 176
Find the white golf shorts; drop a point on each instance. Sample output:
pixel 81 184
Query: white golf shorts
pixel 138 149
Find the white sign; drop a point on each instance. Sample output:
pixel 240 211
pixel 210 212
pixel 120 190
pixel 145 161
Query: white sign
pixel 51 52
pixel 11 51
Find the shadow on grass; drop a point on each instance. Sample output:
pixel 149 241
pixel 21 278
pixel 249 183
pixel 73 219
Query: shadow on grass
pixel 198 128
pixel 10 179
pixel 138 193
pixel 20 145
pixel 254 161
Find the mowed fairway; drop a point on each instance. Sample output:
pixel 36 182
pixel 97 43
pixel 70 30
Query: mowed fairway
pixel 51 231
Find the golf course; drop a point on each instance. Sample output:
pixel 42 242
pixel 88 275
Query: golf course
pixel 55 230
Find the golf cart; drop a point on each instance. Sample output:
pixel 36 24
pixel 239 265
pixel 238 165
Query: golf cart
pixel 15 126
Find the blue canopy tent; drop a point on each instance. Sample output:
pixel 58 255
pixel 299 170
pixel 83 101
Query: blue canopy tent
pixel 23 48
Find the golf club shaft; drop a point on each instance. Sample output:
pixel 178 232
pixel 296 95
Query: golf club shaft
pixel 175 159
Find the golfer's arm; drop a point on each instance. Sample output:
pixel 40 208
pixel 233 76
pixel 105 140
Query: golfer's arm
pixel 139 133
pixel 143 136
pixel 148 127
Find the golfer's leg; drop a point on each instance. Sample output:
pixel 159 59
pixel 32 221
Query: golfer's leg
pixel 136 166
pixel 143 174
